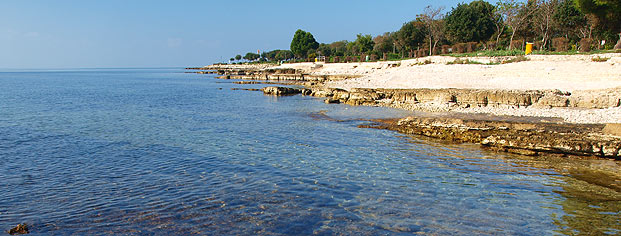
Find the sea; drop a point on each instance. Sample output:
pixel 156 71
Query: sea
pixel 159 151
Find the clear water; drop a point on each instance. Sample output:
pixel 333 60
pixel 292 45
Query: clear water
pixel 160 152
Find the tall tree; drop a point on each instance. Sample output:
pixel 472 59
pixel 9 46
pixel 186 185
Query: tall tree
pixel 514 15
pixel 238 57
pixel 432 18
pixel 470 22
pixel 251 56
pixel 411 35
pixel 384 43
pixel 364 43
pixel 605 15
pixel 544 18
pixel 339 47
pixel 302 43
pixel 569 20
pixel 608 12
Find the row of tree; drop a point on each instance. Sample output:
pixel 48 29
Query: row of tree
pixel 494 26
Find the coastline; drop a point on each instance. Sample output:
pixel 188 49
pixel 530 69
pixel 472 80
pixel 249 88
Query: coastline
pixel 571 112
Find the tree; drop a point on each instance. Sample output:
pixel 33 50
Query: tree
pixel 284 55
pixel 238 57
pixel 339 47
pixel 512 15
pixel 251 56
pixel 302 43
pixel 364 43
pixel 470 22
pixel 432 18
pixel 607 12
pixel 384 43
pixel 544 17
pixel 410 36
pixel 568 19
pixel 605 15
pixel 324 50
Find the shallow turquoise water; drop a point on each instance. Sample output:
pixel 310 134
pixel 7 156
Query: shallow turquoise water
pixel 158 151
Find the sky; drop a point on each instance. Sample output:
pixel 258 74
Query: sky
pixel 136 33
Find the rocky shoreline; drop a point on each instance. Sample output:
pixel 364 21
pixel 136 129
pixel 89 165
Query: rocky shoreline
pixel 527 138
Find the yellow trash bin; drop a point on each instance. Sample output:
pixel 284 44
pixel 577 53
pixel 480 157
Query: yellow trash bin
pixel 529 48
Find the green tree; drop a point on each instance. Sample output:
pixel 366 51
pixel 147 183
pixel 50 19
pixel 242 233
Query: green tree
pixel 608 12
pixel 251 56
pixel 569 20
pixel 384 43
pixel 410 36
pixel 284 55
pixel 470 22
pixel 238 57
pixel 364 43
pixel 325 50
pixel 339 48
pixel 303 42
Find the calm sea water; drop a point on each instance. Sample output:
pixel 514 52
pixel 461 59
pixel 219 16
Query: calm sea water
pixel 161 152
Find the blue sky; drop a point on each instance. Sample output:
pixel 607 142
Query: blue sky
pixel 111 33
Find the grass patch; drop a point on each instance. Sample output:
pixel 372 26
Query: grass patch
pixel 572 52
pixel 459 61
pixel 600 59
pixel 425 62
pixel 515 59
pixel 487 53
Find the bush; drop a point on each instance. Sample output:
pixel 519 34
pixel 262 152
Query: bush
pixel 585 44
pixel 538 46
pixel 516 59
pixel 466 61
pixel 560 44
pixel 600 59
pixel 459 48
pixel 445 49
pixel 471 46
pixel 491 45
pixel 517 44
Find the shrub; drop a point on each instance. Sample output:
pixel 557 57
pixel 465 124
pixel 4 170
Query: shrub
pixel 471 46
pixel 466 61
pixel 585 44
pixel 516 59
pixel 600 59
pixel 460 48
pixel 491 45
pixel 538 46
pixel 445 49
pixel 560 44
pixel 517 44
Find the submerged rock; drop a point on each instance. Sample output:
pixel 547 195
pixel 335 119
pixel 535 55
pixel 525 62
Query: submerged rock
pixel 19 229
